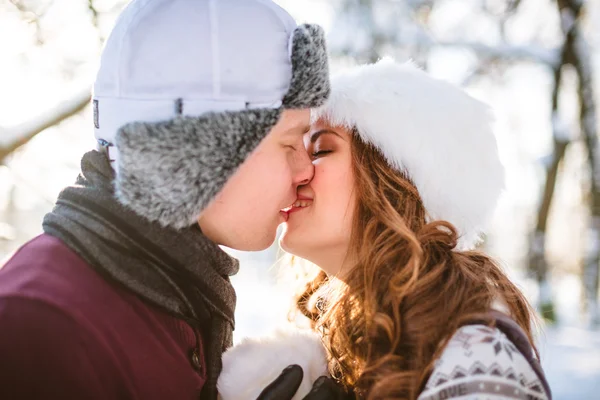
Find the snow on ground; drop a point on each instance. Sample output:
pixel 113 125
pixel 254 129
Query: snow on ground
pixel 571 359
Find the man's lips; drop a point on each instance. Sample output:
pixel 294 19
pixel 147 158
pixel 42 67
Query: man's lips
pixel 284 215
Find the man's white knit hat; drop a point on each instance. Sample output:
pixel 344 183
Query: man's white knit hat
pixel 434 132
pixel 188 88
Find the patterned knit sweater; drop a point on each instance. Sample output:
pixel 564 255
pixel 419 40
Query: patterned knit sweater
pixel 481 363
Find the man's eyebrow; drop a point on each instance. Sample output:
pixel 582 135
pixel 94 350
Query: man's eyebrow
pixel 303 129
pixel 316 135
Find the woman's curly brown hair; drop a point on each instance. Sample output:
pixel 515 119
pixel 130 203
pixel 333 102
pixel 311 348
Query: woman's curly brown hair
pixel 408 291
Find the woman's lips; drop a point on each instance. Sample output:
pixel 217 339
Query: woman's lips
pixel 301 203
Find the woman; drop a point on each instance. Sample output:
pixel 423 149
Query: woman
pixel 407 175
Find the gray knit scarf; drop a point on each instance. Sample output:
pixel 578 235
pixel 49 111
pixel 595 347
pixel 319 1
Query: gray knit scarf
pixel 179 271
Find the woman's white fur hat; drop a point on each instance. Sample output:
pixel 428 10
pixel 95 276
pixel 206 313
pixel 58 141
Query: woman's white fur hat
pixel 431 130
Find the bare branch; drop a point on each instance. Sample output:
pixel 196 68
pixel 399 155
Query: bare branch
pixel 92 8
pixel 14 137
pixel 513 6
pixel 500 52
pixel 33 16
pixel 95 19
pixel 413 35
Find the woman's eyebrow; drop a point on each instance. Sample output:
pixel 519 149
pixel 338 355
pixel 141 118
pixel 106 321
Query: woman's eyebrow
pixel 316 135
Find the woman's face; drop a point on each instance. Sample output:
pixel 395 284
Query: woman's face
pixel 318 228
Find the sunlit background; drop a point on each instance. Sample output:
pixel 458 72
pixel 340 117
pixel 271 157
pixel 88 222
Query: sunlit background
pixel 536 62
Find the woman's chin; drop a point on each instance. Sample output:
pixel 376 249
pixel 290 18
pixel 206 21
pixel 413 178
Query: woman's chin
pixel 289 241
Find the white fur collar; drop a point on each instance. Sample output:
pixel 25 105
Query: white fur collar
pixel 254 363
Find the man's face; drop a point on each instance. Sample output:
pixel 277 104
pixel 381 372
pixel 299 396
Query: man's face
pixel 246 213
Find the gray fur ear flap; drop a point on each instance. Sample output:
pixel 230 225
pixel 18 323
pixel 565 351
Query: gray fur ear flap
pixel 310 86
pixel 169 171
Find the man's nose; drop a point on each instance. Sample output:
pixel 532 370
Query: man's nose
pixel 305 170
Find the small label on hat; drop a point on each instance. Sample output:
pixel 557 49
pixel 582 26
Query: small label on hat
pixel 96 114
pixel 179 106
pixel 105 146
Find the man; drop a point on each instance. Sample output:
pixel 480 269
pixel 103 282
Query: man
pixel 199 111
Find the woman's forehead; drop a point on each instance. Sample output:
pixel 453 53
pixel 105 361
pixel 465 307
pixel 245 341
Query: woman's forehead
pixel 322 126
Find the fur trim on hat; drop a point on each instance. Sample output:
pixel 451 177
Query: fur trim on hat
pixel 436 133
pixel 169 171
pixel 253 364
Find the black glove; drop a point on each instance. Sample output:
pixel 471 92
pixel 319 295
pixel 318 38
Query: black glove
pixel 286 385
pixel 325 388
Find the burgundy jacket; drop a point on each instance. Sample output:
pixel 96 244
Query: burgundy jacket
pixel 66 333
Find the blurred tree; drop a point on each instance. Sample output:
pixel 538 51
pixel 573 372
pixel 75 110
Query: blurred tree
pixel 44 35
pixel 33 12
pixel 577 53
pixel 14 137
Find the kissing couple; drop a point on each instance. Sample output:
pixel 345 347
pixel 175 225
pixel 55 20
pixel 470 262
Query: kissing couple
pixel 216 122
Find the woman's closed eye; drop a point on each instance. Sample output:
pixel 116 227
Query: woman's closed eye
pixel 322 143
pixel 320 153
